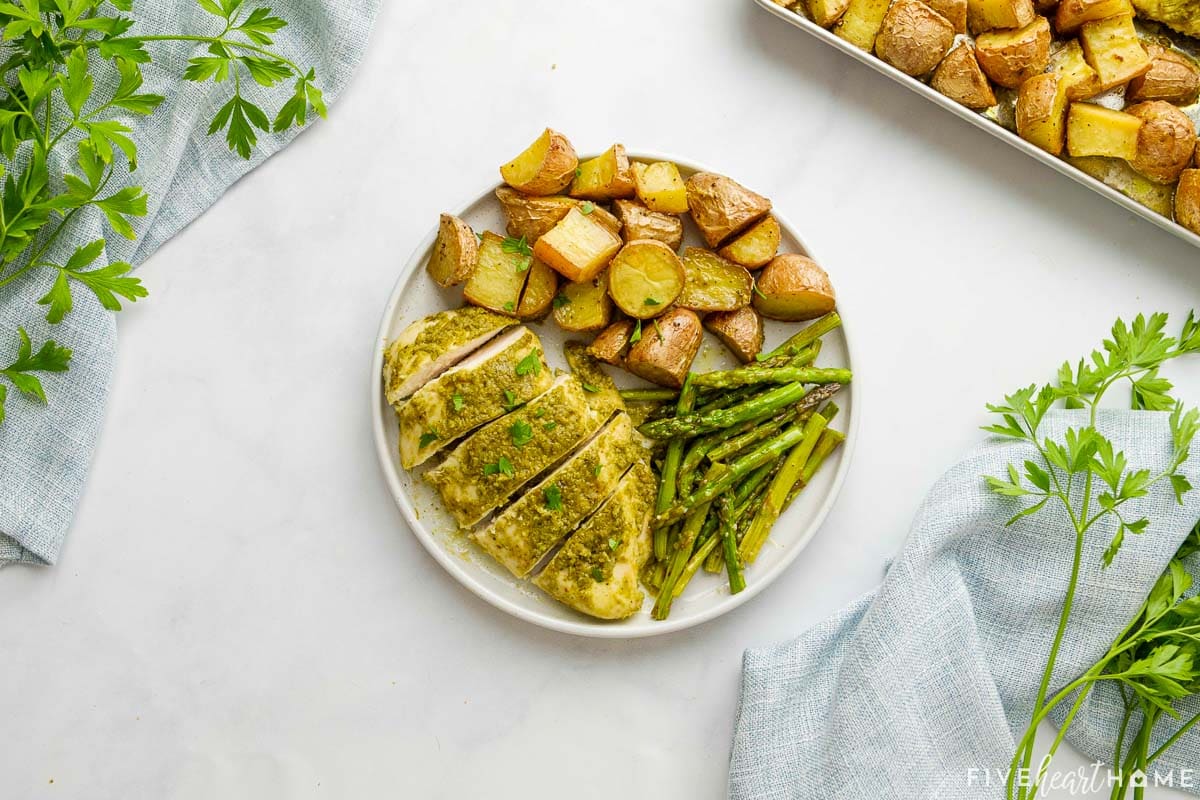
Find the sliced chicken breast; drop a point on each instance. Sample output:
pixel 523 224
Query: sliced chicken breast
pixel 498 459
pixel 476 390
pixel 432 345
pixel 596 571
pixel 602 394
pixel 526 531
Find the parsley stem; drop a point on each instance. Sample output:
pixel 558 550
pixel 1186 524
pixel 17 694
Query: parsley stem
pixel 1175 737
pixel 90 43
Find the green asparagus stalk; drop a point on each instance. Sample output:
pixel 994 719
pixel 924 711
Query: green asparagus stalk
pixel 733 564
pixel 722 398
pixel 756 408
pixel 649 395
pixel 667 478
pixel 781 487
pixel 749 376
pixel 699 557
pixel 829 441
pixel 684 543
pixel 801 358
pixel 737 445
pixel 806 336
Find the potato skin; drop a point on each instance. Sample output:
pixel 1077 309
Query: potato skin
pixel 986 15
pixel 722 207
pixel 1041 112
pixel 455 252
pixel 960 78
pixel 532 217
pixel 914 38
pixel 1187 200
pixel 1009 58
pixel 610 344
pixel 620 176
pixel 1166 142
pixel 793 288
pixel 741 331
pixel 639 222
pixel 1172 77
pixel 1071 14
pixel 665 358
pixel 552 173
pixel 756 246
pixel 955 12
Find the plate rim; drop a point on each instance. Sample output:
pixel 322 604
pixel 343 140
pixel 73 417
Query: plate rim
pixel 458 569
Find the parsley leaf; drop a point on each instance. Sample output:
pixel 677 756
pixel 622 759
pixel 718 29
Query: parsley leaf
pixel 509 306
pixel 510 400
pixel 587 208
pixel 597 574
pixel 613 544
pixel 521 433
pixel 553 497
pixel 561 300
pixel 458 402
pixel 636 336
pixel 530 364
pixel 50 357
pixel 596 470
pixel 587 387
pixel 518 246
pixel 650 301
pixel 428 438
pixel 502 466
pixel 549 426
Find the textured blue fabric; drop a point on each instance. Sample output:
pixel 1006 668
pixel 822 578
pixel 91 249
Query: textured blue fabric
pixel 45 451
pixel 917 688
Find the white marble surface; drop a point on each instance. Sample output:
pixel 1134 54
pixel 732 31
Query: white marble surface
pixel 240 612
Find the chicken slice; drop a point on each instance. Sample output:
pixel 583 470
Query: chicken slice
pixel 597 570
pixel 1182 15
pixel 431 345
pixel 504 455
pixel 602 394
pixel 476 390
pixel 526 531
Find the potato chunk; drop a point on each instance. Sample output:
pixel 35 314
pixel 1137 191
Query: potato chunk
pixel 584 306
pixel 498 278
pixel 578 246
pixel 532 217
pixel 861 22
pixel 454 252
pixel 955 12
pixel 660 187
pixel 721 207
pixel 913 38
pixel 712 283
pixel 645 277
pixel 827 12
pixel 792 288
pixel 545 167
pixel 1093 130
pixel 960 78
pixel 639 222
pixel 1172 76
pixel 665 352
pixel 1080 81
pixel 540 288
pixel 1041 112
pixel 1187 200
pixel 611 343
pixel 1071 14
pixel 741 331
pixel 1166 141
pixel 1112 47
pixel 986 15
pixel 757 246
pixel 1010 57
pixel 605 177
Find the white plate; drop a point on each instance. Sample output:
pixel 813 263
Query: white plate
pixel 980 121
pixel 707 596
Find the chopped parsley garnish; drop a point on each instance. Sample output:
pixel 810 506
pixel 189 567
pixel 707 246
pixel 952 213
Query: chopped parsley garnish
pixel 597 574
pixel 636 336
pixel 549 426
pixel 428 438
pixel 541 412
pixel 650 301
pixel 596 470
pixel 521 433
pixel 502 466
pixel 587 387
pixel 561 300
pixel 660 333
pixel 553 496
pixel 578 172
pixel 587 208
pixel 530 364
pixel 613 544
pixel 510 400
pixel 511 245
pixel 758 291
pixel 525 263
pixel 458 402
pixel 509 306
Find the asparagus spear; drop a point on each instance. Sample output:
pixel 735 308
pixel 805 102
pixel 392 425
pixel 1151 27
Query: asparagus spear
pixel 829 441
pixel 733 564
pixel 709 545
pixel 755 408
pixel 685 541
pixel 806 336
pixel 747 376
pixel 781 487
pixel 667 478
pixel 801 358
pixel 649 395
pixel 737 445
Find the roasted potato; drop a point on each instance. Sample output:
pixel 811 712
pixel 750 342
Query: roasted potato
pixel 955 12
pixel 986 15
pixel 827 12
pixel 1166 140
pixel 665 352
pixel 741 331
pixel 639 222
pixel 1187 200
pixel 540 288
pixel 860 23
pixel 757 246
pixel 721 207
pixel 1071 14
pixel 1172 77
pixel 611 343
pixel 913 38
pixel 960 78
pixel 660 187
pixel 605 177
pixel 1112 47
pixel 792 287
pixel 1093 130
pixel 1041 112
pixel 713 283
pixel 583 306
pixel 498 278
pixel 454 252
pixel 1010 57
pixel 532 217
pixel 578 246
pixel 545 167
pixel 1080 81
pixel 644 278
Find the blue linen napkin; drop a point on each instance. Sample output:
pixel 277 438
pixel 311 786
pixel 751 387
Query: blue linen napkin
pixel 920 688
pixel 45 451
